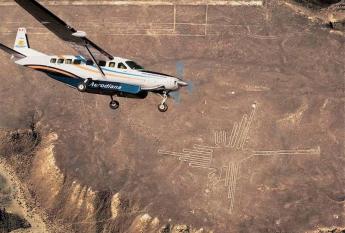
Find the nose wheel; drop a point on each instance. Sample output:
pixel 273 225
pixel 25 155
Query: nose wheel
pixel 163 107
pixel 114 104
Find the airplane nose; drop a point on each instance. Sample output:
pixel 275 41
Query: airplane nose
pixel 182 83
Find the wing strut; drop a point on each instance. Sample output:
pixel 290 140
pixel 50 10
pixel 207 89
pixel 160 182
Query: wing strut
pixel 94 60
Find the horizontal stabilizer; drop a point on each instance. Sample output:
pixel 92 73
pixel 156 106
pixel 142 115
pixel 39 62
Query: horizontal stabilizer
pixel 11 51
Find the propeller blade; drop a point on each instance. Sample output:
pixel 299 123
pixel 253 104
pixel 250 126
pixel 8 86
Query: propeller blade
pixel 175 95
pixel 179 69
pixel 190 86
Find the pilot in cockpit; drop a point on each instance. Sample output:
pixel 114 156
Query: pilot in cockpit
pixel 122 66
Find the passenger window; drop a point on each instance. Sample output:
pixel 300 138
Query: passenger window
pixel 60 61
pixel 68 61
pixel 53 60
pixel 77 62
pixel 102 63
pixel 111 64
pixel 121 66
pixel 89 62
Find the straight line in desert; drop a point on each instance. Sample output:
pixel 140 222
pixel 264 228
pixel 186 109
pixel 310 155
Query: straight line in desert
pixel 315 151
pixel 199 156
pixel 143 3
pixel 239 133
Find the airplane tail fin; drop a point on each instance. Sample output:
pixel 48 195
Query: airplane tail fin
pixel 22 45
pixel 22 41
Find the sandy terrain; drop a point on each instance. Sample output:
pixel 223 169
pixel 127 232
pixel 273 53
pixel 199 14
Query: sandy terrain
pixel 20 197
pixel 257 146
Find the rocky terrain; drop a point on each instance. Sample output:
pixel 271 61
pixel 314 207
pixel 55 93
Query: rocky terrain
pixel 257 146
pixel 331 13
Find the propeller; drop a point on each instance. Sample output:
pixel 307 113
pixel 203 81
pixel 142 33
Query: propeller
pixel 175 95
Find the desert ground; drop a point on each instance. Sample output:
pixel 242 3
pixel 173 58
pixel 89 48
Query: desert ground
pixel 256 145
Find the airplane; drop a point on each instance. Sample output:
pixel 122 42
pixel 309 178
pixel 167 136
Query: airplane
pixel 94 70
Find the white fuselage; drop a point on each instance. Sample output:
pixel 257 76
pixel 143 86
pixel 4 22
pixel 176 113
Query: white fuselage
pixel 116 70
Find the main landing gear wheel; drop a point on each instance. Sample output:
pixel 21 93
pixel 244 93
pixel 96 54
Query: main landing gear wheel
pixel 114 104
pixel 81 87
pixel 162 107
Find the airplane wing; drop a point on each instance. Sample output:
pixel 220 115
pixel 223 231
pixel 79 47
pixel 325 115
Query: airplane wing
pixel 11 51
pixel 63 30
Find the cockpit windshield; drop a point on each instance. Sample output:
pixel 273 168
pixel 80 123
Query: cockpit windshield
pixel 134 66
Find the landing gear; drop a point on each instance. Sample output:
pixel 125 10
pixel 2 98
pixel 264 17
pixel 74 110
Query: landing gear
pixel 114 104
pixel 163 107
pixel 83 85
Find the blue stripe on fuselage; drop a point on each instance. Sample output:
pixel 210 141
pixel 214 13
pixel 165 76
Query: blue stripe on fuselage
pixel 114 86
pixel 73 82
pixel 97 85
pixel 118 72
pixel 138 75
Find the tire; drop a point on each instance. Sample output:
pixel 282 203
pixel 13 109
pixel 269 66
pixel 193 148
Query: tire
pixel 114 104
pixel 81 87
pixel 163 107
